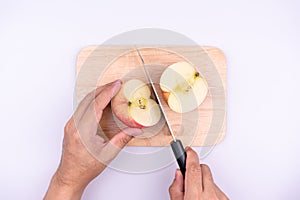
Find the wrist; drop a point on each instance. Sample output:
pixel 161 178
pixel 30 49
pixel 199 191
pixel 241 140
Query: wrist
pixel 59 189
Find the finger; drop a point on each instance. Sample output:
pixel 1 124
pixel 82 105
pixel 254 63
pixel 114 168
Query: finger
pixel 193 176
pixel 88 124
pixel 207 179
pixel 176 190
pixel 103 99
pixel 117 143
pixel 83 105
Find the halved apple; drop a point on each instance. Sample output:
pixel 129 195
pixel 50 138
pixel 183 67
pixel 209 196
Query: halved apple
pixel 183 88
pixel 133 106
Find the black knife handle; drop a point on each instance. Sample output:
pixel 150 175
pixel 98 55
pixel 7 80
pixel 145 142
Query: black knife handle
pixel 180 155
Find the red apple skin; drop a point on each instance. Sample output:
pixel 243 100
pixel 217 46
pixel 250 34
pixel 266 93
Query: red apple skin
pixel 120 107
pixel 165 95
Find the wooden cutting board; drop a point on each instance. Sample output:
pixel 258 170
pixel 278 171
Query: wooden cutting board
pixel 205 126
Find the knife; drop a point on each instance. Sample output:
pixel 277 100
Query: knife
pixel 176 144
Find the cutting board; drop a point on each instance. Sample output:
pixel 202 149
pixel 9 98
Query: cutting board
pixel 205 126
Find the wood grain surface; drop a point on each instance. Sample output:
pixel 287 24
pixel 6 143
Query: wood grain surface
pixel 205 126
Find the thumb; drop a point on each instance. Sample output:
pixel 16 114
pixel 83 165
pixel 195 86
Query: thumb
pixel 176 189
pixel 117 143
pixel 121 139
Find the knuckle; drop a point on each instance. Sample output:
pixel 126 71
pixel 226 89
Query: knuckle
pixel 69 126
pixel 194 169
pixel 77 137
pixel 124 140
pixel 171 189
pixel 71 133
pixel 205 167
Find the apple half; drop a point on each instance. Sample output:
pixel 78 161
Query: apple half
pixel 133 106
pixel 183 87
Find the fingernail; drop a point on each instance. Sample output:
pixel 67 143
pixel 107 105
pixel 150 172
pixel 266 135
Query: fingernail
pixel 187 148
pixel 116 85
pixel 177 173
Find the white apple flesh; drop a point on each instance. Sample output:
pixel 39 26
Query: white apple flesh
pixel 133 106
pixel 183 88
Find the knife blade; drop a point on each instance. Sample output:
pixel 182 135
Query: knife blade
pixel 176 144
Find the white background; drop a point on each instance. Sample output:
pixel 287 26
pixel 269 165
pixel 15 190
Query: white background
pixel 259 158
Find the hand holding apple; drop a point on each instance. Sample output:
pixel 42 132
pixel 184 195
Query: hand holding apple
pixel 81 146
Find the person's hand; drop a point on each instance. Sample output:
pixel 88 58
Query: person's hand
pixel 83 149
pixel 198 183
